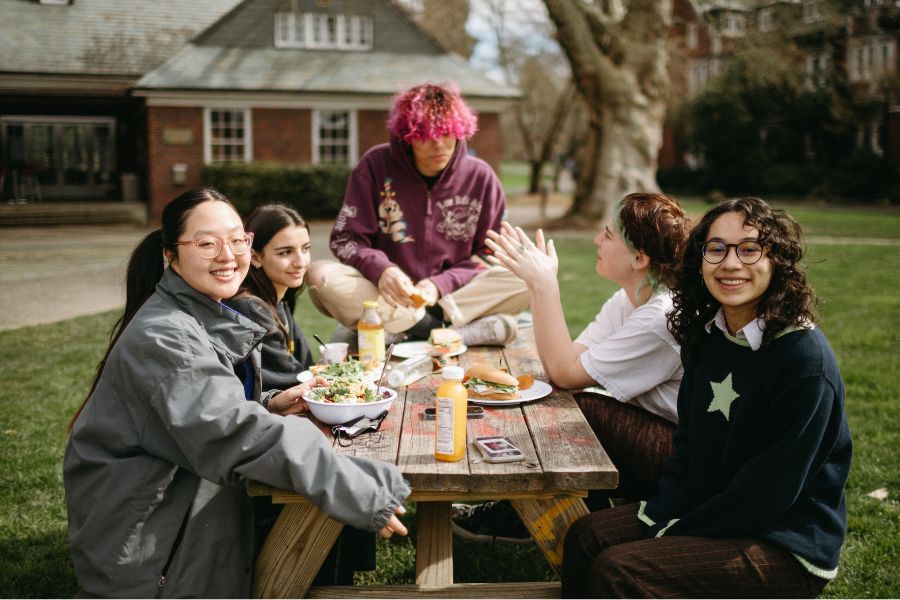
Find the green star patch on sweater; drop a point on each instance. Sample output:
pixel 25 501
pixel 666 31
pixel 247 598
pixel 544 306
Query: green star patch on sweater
pixel 723 396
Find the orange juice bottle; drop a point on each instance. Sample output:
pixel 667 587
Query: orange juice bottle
pixel 450 413
pixel 370 334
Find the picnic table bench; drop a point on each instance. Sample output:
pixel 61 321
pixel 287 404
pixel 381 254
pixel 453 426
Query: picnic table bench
pixel 563 460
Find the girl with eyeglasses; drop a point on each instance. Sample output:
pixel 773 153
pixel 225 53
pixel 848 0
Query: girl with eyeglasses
pixel 752 502
pixel 176 418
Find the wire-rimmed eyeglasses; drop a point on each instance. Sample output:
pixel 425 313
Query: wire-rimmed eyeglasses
pixel 748 252
pixel 211 247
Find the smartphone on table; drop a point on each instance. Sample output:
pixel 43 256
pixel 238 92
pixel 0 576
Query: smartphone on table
pixel 498 449
pixel 473 412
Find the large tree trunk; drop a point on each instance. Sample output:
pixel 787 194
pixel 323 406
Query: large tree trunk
pixel 618 59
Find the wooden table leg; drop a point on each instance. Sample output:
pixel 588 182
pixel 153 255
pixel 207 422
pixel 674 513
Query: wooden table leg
pixel 294 551
pixel 434 544
pixel 548 521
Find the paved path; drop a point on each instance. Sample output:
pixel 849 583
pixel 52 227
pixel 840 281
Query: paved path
pixel 49 274
pixel 53 273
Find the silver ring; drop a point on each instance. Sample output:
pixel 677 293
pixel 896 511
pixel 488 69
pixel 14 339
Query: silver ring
pixel 522 249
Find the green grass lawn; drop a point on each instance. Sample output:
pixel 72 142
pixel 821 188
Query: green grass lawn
pixel 49 368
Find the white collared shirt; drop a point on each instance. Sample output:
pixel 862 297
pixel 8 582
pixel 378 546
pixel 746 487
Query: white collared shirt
pixel 752 332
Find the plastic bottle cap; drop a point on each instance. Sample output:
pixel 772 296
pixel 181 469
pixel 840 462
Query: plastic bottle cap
pixel 396 377
pixel 452 372
pixel 370 304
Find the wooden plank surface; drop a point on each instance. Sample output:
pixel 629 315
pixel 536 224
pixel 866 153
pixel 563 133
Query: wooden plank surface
pixel 434 544
pixel 569 452
pixel 505 421
pixel 294 552
pixel 538 589
pixel 548 521
pixel 416 455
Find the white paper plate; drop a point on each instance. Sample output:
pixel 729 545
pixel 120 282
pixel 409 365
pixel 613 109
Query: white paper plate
pixel 538 390
pixel 410 349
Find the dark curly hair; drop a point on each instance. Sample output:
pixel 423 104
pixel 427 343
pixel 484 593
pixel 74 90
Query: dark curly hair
pixel 788 301
pixel 265 222
pixel 656 225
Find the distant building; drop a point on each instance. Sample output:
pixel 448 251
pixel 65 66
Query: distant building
pixel 857 47
pixel 128 99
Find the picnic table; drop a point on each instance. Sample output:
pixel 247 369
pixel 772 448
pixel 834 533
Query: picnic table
pixel 563 460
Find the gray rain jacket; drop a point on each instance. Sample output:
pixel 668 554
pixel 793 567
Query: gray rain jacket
pixel 154 463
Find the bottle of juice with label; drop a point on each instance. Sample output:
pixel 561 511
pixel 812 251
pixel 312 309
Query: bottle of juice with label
pixel 371 334
pixel 450 414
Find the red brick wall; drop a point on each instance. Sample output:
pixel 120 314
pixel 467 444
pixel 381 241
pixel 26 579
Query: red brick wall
pixel 162 156
pixel 487 142
pixel 372 129
pixel 282 135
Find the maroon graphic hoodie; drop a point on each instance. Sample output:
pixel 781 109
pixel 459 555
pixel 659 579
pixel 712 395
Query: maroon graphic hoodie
pixel 389 217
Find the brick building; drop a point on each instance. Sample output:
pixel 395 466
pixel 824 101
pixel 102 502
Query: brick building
pixel 853 43
pixel 149 92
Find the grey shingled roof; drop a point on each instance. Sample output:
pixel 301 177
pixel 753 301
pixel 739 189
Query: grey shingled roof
pixel 205 68
pixel 100 37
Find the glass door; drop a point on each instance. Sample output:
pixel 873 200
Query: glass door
pixel 58 158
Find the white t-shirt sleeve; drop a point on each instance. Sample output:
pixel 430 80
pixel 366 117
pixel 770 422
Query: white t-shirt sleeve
pixel 631 353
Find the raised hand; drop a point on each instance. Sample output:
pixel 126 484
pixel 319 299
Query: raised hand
pixel 535 263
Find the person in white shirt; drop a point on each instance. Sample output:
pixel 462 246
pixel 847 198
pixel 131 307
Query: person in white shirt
pixel 627 349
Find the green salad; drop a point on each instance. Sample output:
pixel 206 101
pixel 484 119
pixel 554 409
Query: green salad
pixel 344 391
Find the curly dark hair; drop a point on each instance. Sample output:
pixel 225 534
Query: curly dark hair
pixel 656 225
pixel 788 301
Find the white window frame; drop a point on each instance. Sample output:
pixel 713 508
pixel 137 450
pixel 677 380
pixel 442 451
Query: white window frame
pixel 207 133
pixel 812 11
pixel 352 134
pixel 766 20
pixel 351 32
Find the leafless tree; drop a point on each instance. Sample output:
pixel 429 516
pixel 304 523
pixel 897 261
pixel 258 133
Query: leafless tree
pixel 618 53
pixel 529 61
pixel 446 20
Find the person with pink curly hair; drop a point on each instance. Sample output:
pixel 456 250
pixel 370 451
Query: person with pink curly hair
pixel 411 232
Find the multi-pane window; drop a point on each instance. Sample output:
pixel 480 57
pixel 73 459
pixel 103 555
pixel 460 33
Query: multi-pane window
pixel 766 20
pixel 692 37
pixel 323 31
pixel 227 135
pixel 812 11
pixel 334 135
pixel 733 24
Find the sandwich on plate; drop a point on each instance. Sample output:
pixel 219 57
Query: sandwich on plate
pixel 488 383
pixel 445 340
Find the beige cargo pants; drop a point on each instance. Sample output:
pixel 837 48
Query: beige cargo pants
pixel 343 290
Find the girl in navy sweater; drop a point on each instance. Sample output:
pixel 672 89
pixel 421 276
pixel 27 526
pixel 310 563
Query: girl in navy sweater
pixel 752 502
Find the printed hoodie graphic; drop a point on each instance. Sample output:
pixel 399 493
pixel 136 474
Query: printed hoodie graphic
pixel 390 217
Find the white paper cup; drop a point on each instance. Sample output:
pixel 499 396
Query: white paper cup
pixel 334 352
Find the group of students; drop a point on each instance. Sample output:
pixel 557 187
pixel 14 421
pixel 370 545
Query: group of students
pixel 724 416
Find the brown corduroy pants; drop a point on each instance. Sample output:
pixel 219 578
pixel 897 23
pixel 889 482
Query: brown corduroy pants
pixel 605 556
pixel 639 443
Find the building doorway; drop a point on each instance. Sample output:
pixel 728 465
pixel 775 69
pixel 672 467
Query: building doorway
pixel 58 158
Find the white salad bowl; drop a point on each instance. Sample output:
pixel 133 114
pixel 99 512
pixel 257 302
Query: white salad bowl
pixel 336 414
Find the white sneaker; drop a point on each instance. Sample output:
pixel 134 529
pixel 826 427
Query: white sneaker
pixel 494 330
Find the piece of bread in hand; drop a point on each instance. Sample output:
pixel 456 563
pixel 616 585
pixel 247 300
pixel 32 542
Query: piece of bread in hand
pixel 421 298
